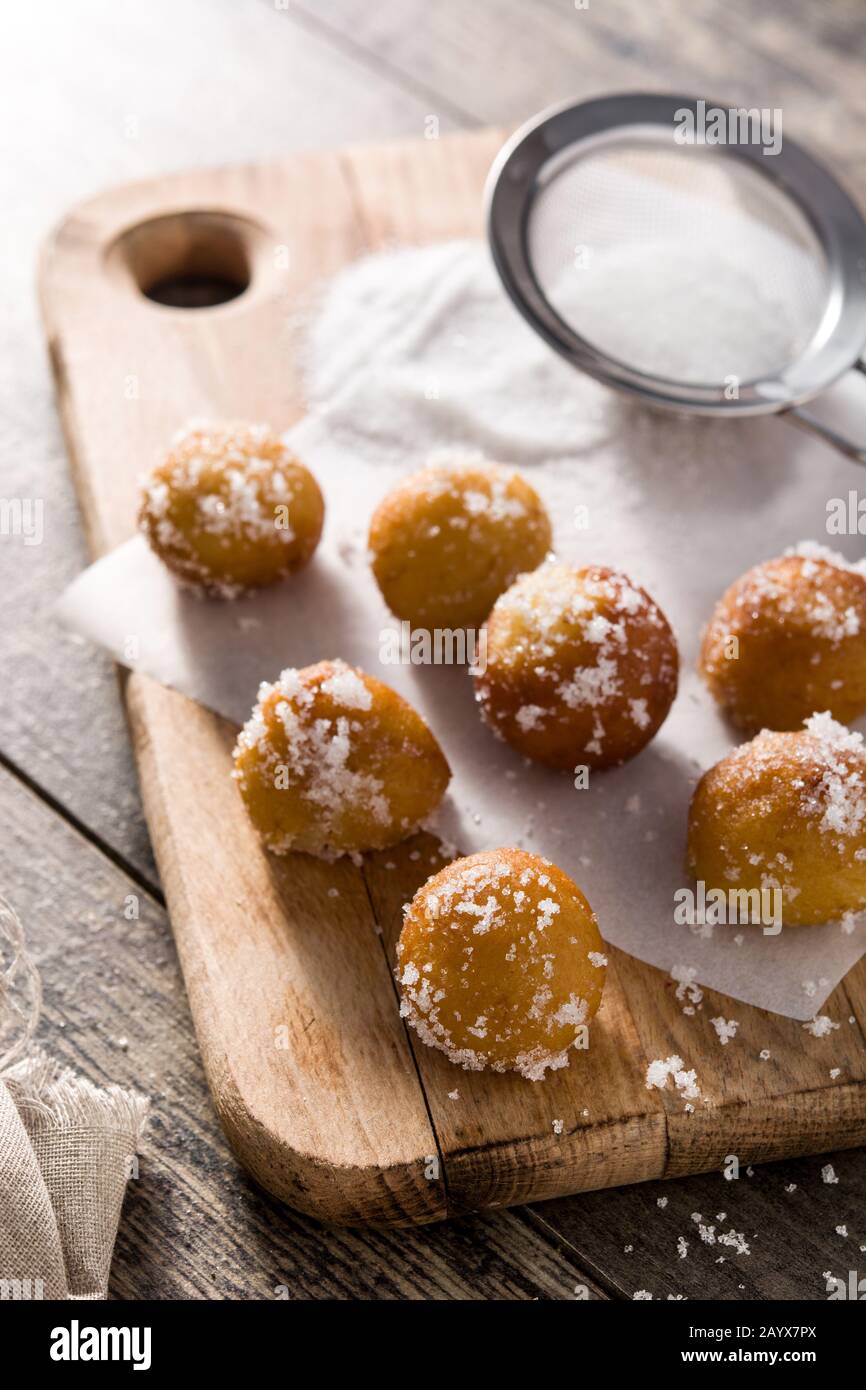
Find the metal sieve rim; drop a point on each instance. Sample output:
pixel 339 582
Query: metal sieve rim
pixel 525 164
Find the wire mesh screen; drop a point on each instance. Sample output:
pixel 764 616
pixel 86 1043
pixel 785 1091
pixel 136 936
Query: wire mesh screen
pixel 682 262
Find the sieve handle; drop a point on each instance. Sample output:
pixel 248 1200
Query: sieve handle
pixel 806 421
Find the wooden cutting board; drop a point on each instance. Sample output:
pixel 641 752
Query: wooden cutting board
pixel 325 1098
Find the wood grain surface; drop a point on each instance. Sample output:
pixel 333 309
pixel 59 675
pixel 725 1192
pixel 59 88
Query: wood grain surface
pixel 347 1117
pixel 257 84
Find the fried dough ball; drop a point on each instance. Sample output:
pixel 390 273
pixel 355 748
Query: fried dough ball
pixel 787 812
pixel 231 509
pixel 581 667
pixel 800 628
pixel 334 762
pixel 500 963
pixel 446 542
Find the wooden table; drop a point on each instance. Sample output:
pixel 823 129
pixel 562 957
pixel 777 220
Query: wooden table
pixel 93 98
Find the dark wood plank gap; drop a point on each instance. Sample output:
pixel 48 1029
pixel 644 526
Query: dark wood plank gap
pixel 86 831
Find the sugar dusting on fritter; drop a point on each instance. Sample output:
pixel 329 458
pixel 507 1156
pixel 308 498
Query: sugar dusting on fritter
pixel 317 752
pixel 554 611
pixel 829 613
pixel 829 779
pixel 486 897
pixel 243 511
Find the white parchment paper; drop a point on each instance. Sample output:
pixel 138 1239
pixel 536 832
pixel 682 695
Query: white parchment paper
pixel 684 506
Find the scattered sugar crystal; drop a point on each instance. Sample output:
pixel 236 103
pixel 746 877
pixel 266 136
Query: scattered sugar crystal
pixel 725 1029
pixel 530 717
pixel 639 713
pixel 547 910
pixel 736 1240
pixel 820 1026
pixel 686 988
pixel 657 1072
pixel 684 1080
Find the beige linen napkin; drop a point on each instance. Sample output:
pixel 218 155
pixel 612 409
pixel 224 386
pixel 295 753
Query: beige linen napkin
pixel 66 1150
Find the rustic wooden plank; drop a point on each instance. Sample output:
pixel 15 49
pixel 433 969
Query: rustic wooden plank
pixel 88 662
pixel 306 1057
pixel 311 1128
pixel 786 1212
pixel 760 1108
pixel 338 1122
pixel 190 1187
pixel 770 1110
pixel 496 1133
pixel 194 1226
pixel 255 85
pixel 448 58
pixel 613 1132
pixel 501 60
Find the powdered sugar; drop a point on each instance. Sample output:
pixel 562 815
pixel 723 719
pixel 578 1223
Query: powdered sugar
pixel 682 309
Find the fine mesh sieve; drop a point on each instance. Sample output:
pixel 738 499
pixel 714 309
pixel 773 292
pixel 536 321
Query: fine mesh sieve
pixel 715 278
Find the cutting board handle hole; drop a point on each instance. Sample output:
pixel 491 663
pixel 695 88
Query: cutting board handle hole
pixel 188 260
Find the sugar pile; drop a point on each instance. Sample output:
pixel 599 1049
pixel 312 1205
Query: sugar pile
pixel 694 269
pixel 416 350
pixel 681 312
